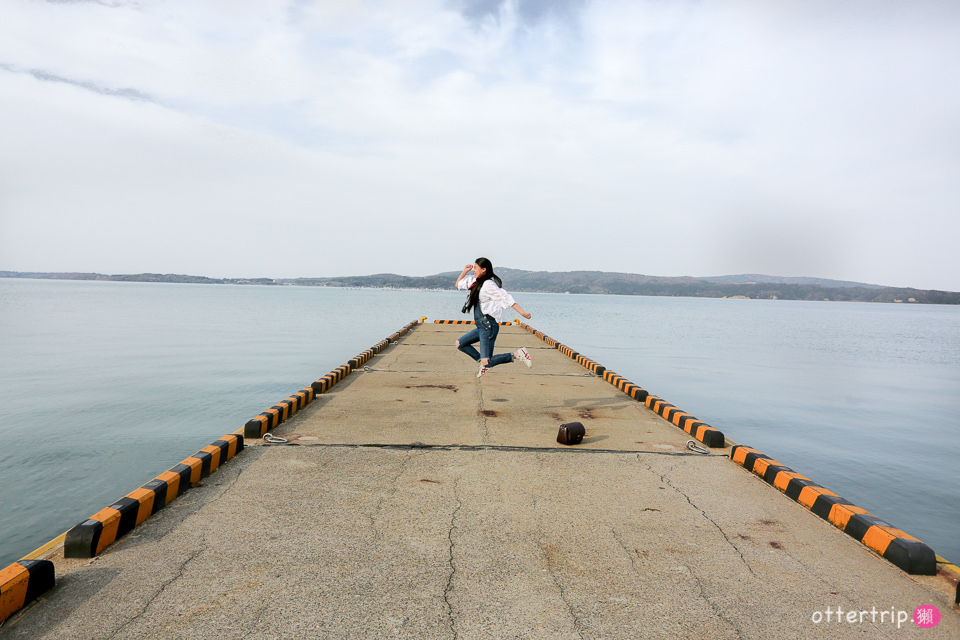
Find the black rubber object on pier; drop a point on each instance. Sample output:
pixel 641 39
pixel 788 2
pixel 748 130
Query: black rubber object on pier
pixel 571 433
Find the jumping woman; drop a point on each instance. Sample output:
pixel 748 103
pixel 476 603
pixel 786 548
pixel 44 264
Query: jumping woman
pixel 488 301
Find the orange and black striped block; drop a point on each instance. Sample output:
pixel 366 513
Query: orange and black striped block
pixel 550 341
pixel 92 536
pixel 361 359
pixel 278 413
pixel 902 549
pixel 567 351
pixel 259 425
pixel 700 430
pixel 589 364
pixel 502 324
pixel 636 392
pixel 22 582
pixel 327 382
pixel 547 339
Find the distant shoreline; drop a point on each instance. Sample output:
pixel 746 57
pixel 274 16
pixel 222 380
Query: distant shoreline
pixel 754 287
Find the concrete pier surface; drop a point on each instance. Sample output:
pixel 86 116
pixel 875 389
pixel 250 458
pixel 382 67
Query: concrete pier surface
pixel 486 528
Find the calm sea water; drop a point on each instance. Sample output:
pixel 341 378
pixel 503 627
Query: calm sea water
pixel 104 385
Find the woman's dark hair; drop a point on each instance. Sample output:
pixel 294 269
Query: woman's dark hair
pixel 473 298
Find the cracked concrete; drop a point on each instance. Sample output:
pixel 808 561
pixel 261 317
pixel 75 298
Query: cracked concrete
pixel 452 564
pixel 163 587
pixel 717 610
pixel 665 480
pixel 549 553
pixel 337 542
pixel 482 417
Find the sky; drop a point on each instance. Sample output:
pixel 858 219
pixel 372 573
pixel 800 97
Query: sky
pixel 249 138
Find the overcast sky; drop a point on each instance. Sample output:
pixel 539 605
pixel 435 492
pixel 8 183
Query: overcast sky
pixel 243 138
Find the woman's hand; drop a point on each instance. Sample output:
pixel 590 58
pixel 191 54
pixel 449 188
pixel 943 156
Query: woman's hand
pixel 525 315
pixel 463 273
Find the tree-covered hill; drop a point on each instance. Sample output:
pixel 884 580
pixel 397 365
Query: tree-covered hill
pixel 588 282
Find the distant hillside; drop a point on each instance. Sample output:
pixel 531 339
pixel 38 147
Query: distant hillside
pixel 604 282
pixel 753 278
pixel 589 282
pixel 135 277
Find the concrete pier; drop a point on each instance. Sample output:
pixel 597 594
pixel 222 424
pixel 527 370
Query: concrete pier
pixel 484 528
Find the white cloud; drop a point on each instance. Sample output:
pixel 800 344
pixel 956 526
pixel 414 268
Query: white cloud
pixel 270 139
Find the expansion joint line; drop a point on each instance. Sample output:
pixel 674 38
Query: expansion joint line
pixel 366 369
pixel 486 447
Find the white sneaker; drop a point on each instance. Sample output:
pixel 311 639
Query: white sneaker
pixel 524 357
pixel 483 370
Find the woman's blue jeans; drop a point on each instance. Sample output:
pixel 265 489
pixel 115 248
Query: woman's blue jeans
pixel 486 334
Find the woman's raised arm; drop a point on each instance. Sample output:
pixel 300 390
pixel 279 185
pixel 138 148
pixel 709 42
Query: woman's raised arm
pixel 463 273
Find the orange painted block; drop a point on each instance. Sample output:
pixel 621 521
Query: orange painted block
pixel 13 589
pixel 215 456
pixel 740 455
pixel 234 443
pixel 878 539
pixel 110 519
pixel 784 477
pixel 145 498
pixel 196 468
pixel 760 466
pixel 173 485
pixel 840 514
pixel 809 495
pixel 897 533
pixel 231 446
